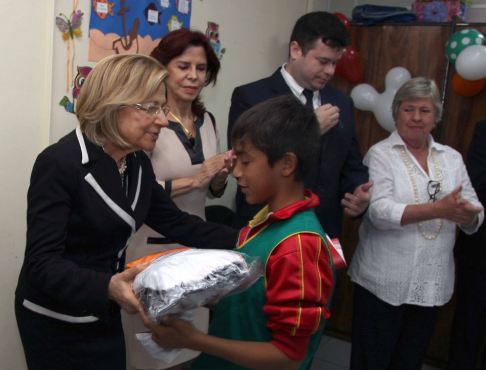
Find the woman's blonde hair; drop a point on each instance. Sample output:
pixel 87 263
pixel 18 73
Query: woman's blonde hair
pixel 418 88
pixel 116 81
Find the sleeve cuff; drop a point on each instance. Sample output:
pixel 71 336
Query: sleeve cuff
pixel 167 185
pixel 293 346
pixel 397 214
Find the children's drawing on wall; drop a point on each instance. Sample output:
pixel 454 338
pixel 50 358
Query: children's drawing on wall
pixel 212 33
pixel 174 23
pixel 70 28
pixel 133 26
pixel 83 72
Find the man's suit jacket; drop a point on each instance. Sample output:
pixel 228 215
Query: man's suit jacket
pixel 80 221
pixel 340 168
pixel 470 250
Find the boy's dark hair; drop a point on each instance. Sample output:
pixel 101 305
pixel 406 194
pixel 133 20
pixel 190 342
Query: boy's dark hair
pixel 278 126
pixel 320 25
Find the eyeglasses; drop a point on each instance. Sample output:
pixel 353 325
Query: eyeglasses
pixel 152 110
pixel 433 188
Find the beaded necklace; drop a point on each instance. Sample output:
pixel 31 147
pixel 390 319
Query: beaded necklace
pixel 415 191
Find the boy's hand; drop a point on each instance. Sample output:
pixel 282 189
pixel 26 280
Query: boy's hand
pixel 172 333
pixel 355 204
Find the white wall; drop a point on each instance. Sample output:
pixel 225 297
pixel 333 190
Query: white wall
pixel 25 82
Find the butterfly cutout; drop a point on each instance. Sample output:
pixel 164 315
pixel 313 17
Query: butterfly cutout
pixel 70 27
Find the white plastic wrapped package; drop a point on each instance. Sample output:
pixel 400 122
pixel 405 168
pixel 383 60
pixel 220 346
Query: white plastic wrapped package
pixel 180 282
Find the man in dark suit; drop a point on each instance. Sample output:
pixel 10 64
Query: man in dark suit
pixel 469 325
pixel 316 45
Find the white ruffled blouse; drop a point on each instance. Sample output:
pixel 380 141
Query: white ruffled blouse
pixel 396 263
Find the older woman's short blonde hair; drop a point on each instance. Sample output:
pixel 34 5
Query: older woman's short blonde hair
pixel 418 88
pixel 116 81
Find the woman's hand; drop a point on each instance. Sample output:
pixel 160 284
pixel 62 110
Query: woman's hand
pixel 208 170
pixel 219 180
pixel 455 208
pixel 452 207
pixel 120 289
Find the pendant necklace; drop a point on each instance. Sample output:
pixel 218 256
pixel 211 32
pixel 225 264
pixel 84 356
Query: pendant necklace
pixel 415 191
pixel 190 136
pixel 123 166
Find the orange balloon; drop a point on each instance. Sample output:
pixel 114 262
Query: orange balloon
pixel 467 88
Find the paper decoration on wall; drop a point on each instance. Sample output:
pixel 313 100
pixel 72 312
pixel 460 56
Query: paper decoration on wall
pixel 165 4
pixel 134 26
pixel 83 72
pixel 365 97
pixel 174 24
pixel 70 28
pixel 103 8
pixel 182 6
pixel 212 33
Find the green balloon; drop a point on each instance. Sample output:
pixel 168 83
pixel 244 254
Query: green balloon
pixel 461 40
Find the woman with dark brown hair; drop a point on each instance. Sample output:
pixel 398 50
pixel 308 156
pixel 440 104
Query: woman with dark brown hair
pixel 186 160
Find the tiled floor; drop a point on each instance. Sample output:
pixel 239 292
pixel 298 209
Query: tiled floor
pixel 333 354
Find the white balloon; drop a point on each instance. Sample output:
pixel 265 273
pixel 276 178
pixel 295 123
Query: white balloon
pixel 471 63
pixel 365 97
pixel 396 77
pixel 383 112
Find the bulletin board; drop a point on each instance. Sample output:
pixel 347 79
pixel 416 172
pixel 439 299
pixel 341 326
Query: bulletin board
pixel 133 26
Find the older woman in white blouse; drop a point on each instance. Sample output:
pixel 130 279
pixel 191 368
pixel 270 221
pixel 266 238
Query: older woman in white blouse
pixel 404 267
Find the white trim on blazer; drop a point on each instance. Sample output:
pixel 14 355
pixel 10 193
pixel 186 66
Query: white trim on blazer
pixel 134 204
pixel 84 152
pixel 59 316
pixel 115 207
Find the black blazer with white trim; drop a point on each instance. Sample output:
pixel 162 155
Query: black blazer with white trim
pixel 80 221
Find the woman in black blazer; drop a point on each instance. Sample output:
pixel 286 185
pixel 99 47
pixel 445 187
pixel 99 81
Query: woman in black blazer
pixel 88 195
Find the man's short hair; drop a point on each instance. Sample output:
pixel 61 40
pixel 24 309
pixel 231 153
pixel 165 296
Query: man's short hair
pixel 278 126
pixel 320 26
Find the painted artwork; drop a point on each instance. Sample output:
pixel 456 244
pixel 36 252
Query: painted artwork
pixel 133 26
